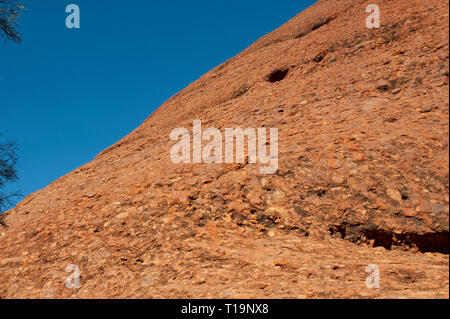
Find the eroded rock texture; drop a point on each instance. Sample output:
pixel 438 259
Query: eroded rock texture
pixel 363 177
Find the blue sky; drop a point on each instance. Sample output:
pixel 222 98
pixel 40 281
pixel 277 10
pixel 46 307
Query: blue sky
pixel 67 94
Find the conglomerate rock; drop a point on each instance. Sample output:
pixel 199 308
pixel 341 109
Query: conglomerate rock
pixel 363 177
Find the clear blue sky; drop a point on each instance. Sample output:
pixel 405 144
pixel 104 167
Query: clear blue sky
pixel 67 94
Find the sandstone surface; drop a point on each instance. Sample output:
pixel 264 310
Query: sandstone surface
pixel 363 177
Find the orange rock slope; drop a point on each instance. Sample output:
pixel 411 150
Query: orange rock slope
pixel 363 177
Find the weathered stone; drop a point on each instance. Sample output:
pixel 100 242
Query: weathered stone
pixel 355 155
pixel 394 194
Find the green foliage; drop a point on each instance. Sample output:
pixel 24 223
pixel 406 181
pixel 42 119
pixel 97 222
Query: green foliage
pixel 9 12
pixel 8 173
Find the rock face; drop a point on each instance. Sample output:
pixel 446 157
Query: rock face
pixel 363 177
